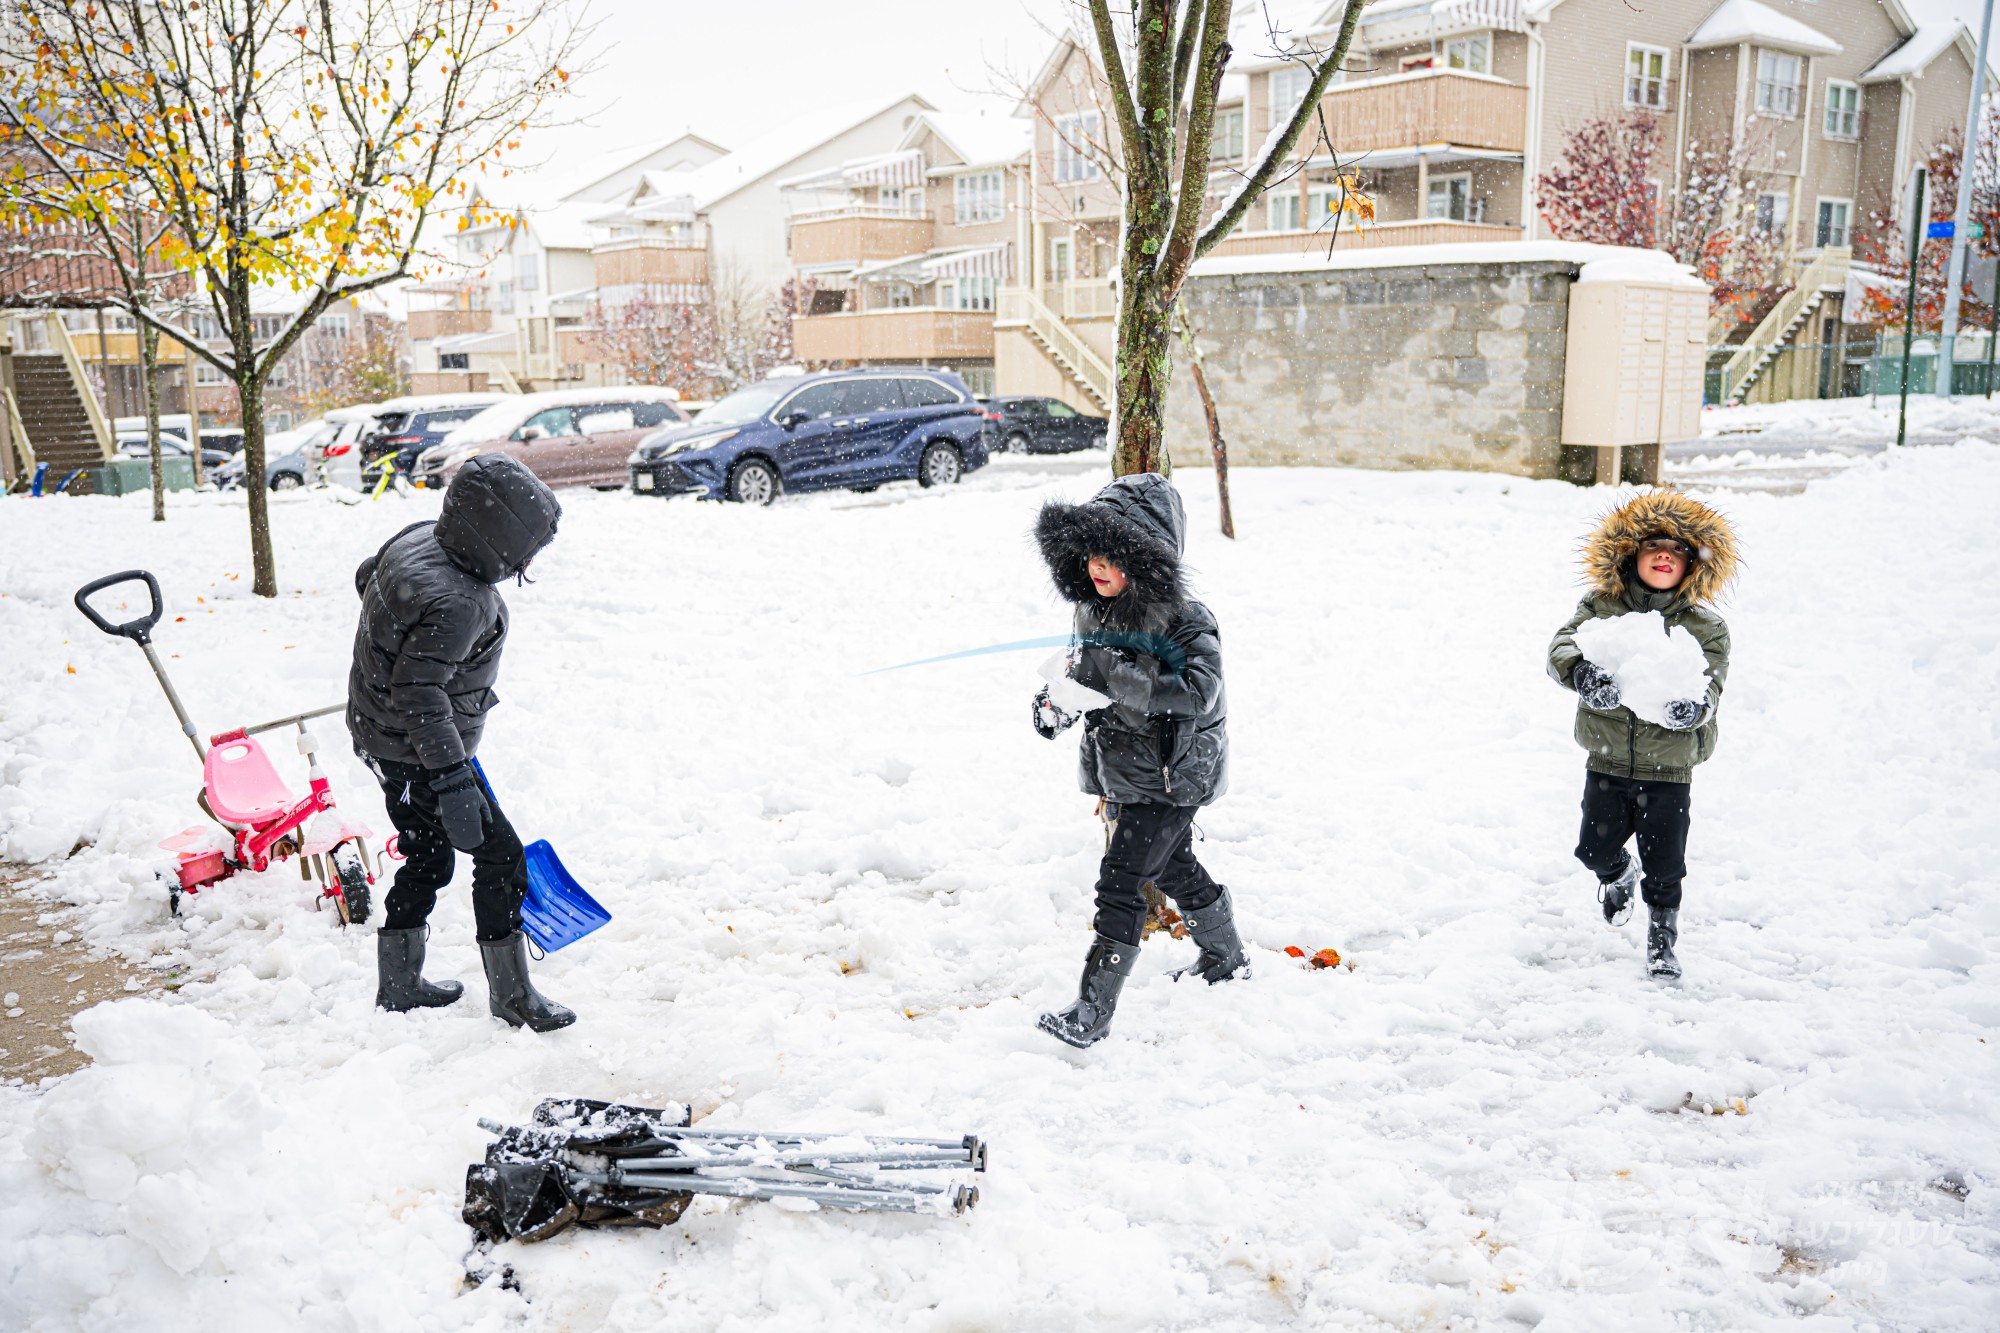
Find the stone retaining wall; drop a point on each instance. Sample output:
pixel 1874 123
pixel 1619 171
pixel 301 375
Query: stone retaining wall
pixel 1449 365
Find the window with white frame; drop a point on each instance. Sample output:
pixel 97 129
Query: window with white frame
pixel 1843 110
pixel 1645 75
pixel 1473 54
pixel 204 373
pixel 970 293
pixel 527 275
pixel 1284 210
pixel 1833 222
pixel 1777 84
pixel 1225 141
pixel 1074 137
pixel 1321 203
pixel 334 325
pixel 976 197
pixel 280 376
pixel 1288 89
pixel 454 360
pixel 1773 211
pixel 1450 198
pixel 506 301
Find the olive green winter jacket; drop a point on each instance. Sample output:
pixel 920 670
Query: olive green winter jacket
pixel 1617 741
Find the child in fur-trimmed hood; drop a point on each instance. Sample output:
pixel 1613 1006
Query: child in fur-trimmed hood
pixel 1659 551
pixel 1160 750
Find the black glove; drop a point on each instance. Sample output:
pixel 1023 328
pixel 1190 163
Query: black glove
pixel 1050 719
pixel 461 806
pixel 1594 686
pixel 1683 714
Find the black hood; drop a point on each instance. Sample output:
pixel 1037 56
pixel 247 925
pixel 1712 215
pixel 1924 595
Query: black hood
pixel 1137 523
pixel 497 515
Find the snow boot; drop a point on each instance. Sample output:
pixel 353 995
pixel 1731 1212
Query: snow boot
pixel 1661 933
pixel 1214 929
pixel 399 971
pixel 1615 895
pixel 510 995
pixel 1105 968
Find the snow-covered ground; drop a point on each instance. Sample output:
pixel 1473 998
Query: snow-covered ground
pixel 841 899
pixel 1784 447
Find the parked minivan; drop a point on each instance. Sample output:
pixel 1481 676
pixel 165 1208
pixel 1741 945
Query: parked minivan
pixel 406 427
pixel 567 437
pixel 840 428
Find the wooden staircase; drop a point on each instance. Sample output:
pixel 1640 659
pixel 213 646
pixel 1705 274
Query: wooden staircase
pixel 54 417
pixel 1774 332
pixel 1085 368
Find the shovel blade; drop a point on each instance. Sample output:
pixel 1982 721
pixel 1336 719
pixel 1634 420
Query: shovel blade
pixel 556 911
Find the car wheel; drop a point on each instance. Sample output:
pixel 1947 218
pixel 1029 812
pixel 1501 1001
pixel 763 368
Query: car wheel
pixel 940 466
pixel 287 481
pixel 753 482
pixel 1017 443
pixel 616 486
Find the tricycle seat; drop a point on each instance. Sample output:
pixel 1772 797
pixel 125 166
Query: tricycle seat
pixel 243 787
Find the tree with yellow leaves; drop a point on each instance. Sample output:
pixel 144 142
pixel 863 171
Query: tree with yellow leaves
pixel 282 144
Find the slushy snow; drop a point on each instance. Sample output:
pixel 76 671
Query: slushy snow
pixel 1653 663
pixel 841 899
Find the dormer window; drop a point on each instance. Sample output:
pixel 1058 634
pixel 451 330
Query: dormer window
pixel 1777 84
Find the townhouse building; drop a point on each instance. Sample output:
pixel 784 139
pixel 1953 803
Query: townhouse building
pixel 666 225
pixel 905 251
pixel 1448 112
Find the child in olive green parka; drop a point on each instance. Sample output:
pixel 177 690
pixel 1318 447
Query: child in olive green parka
pixel 1660 551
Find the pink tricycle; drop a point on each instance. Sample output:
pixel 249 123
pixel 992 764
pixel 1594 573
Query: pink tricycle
pixel 261 821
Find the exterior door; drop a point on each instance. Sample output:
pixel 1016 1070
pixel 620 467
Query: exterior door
pixel 877 416
pixel 605 435
pixel 808 447
pixel 1067 428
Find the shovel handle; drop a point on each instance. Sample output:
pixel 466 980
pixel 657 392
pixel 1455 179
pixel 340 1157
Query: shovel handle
pixel 139 630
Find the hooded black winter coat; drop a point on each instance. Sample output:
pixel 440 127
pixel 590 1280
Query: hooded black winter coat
pixel 1156 651
pixel 427 650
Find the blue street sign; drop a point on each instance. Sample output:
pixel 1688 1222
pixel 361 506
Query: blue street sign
pixel 1940 231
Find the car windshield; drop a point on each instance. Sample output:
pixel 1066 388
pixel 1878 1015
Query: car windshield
pixel 743 405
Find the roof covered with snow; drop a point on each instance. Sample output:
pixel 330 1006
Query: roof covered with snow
pixel 564 226
pixel 1737 21
pixel 776 149
pixel 978 140
pixel 1914 56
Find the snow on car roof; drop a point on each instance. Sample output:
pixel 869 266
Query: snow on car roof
pixel 502 417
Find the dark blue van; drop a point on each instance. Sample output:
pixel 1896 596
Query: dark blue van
pixel 839 428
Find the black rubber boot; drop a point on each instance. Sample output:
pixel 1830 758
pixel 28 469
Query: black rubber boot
pixel 1214 929
pixel 510 996
pixel 1615 895
pixel 1661 933
pixel 399 971
pixel 1105 968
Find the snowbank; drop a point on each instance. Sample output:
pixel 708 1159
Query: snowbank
pixel 841 899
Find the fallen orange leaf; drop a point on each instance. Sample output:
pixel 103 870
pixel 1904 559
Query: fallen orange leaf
pixel 1295 951
pixel 1326 958
pixel 70 669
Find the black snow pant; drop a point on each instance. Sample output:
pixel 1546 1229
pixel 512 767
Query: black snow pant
pixel 1614 809
pixel 499 865
pixel 1148 842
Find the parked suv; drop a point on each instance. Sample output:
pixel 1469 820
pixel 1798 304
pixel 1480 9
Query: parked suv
pixel 842 428
pixel 406 427
pixel 567 437
pixel 1043 426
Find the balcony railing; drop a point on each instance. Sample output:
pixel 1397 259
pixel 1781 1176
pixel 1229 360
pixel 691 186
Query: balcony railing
pixel 894 335
pixel 448 323
pixel 858 236
pixel 1422 231
pixel 1432 106
pixel 645 261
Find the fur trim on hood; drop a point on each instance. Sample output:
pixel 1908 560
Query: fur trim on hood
pixel 1138 523
pixel 1608 552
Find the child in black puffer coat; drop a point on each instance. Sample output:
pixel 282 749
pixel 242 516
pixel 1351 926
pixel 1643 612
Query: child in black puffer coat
pixel 1159 751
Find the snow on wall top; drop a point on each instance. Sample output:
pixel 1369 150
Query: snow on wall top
pixel 1736 21
pixel 1627 264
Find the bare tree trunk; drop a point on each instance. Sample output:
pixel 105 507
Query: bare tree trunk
pixel 1216 444
pixel 149 375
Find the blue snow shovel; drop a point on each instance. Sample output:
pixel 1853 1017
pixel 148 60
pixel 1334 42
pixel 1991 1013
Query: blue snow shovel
pixel 556 910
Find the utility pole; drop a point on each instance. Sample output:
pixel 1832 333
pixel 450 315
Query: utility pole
pixel 1962 214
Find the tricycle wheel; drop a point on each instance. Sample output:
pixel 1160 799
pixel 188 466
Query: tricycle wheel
pixel 352 902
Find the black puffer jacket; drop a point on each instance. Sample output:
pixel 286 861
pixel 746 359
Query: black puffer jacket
pixel 1153 649
pixel 427 650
